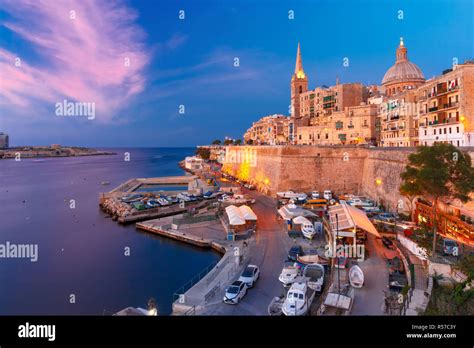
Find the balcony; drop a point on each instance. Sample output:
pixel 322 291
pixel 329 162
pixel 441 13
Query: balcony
pixel 350 126
pixel 432 109
pixel 450 105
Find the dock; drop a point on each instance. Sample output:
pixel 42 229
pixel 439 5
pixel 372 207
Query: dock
pixel 167 231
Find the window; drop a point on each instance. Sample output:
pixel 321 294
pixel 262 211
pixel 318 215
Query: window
pixel 425 132
pixel 434 131
pixel 327 136
pixel 450 130
pixel 457 131
pixel 444 130
pixel 301 89
pixel 458 142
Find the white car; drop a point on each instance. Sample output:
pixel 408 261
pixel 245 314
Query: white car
pixel 327 195
pixel 250 275
pixel 315 194
pixel 235 292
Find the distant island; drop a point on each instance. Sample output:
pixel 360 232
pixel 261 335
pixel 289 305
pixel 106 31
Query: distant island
pixel 54 150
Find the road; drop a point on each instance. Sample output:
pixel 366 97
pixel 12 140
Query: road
pixel 269 253
pixel 370 299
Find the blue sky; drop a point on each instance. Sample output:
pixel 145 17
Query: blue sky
pixel 190 62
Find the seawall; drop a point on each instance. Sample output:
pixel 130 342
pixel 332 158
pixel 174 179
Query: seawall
pixel 342 169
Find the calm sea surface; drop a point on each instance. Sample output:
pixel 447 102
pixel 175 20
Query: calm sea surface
pixel 81 252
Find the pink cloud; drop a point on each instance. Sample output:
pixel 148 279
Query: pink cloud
pixel 82 58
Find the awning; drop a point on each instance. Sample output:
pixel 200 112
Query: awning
pixel 290 211
pixel 234 215
pixel 301 220
pixel 238 215
pixel 247 213
pixel 350 217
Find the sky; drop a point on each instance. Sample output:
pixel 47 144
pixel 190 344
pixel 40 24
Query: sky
pixel 156 79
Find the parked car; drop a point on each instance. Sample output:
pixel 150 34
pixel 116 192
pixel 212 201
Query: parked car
pixel 235 292
pixel 388 243
pixel 250 186
pixel 294 252
pixel 450 247
pixel 388 217
pixel 250 275
pixel 315 194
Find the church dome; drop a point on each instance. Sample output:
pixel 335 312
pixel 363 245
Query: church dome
pixel 403 70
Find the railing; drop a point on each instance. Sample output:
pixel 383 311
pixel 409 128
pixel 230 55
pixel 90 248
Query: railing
pixel 193 281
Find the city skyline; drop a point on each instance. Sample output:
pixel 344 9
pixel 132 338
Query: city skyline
pixel 173 63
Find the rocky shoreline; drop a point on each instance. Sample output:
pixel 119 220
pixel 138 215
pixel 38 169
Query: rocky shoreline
pixel 50 151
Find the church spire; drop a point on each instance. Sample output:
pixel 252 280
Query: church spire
pixel 299 72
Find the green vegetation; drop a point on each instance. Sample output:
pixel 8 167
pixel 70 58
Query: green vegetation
pixel 203 152
pixel 450 300
pixel 440 173
pixel 216 142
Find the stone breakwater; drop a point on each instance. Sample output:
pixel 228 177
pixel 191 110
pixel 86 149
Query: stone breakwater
pixel 343 169
pixel 116 208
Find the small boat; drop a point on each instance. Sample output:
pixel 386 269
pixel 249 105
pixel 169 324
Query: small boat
pixel 315 275
pixel 289 273
pixel 356 277
pixel 309 259
pixel 105 183
pixel 298 300
pixel 274 309
pixel 132 198
pixel 152 203
pixel 163 201
pixel 307 227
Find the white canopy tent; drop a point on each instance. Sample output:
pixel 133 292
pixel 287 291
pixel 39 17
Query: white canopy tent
pixel 234 215
pixel 349 219
pixel 290 211
pixel 247 213
pixel 239 215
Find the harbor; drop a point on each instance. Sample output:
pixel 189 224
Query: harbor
pixel 284 222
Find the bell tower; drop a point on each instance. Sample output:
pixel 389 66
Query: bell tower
pixel 299 84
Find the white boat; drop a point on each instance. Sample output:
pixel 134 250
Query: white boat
pixel 163 201
pixel 298 300
pixel 307 227
pixel 183 197
pixel 292 195
pixel 359 202
pixel 327 195
pixel 289 273
pixel 356 276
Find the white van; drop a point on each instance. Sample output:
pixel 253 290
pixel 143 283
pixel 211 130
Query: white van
pixel 327 195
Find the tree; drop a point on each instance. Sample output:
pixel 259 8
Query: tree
pixel 250 142
pixel 440 173
pixel 203 152
pixel 228 142
pixel 216 142
pixel 238 142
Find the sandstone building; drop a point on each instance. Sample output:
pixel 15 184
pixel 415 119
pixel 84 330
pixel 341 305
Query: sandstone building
pixel 404 111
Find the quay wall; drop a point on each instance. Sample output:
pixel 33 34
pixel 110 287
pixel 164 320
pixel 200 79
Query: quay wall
pixel 374 172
